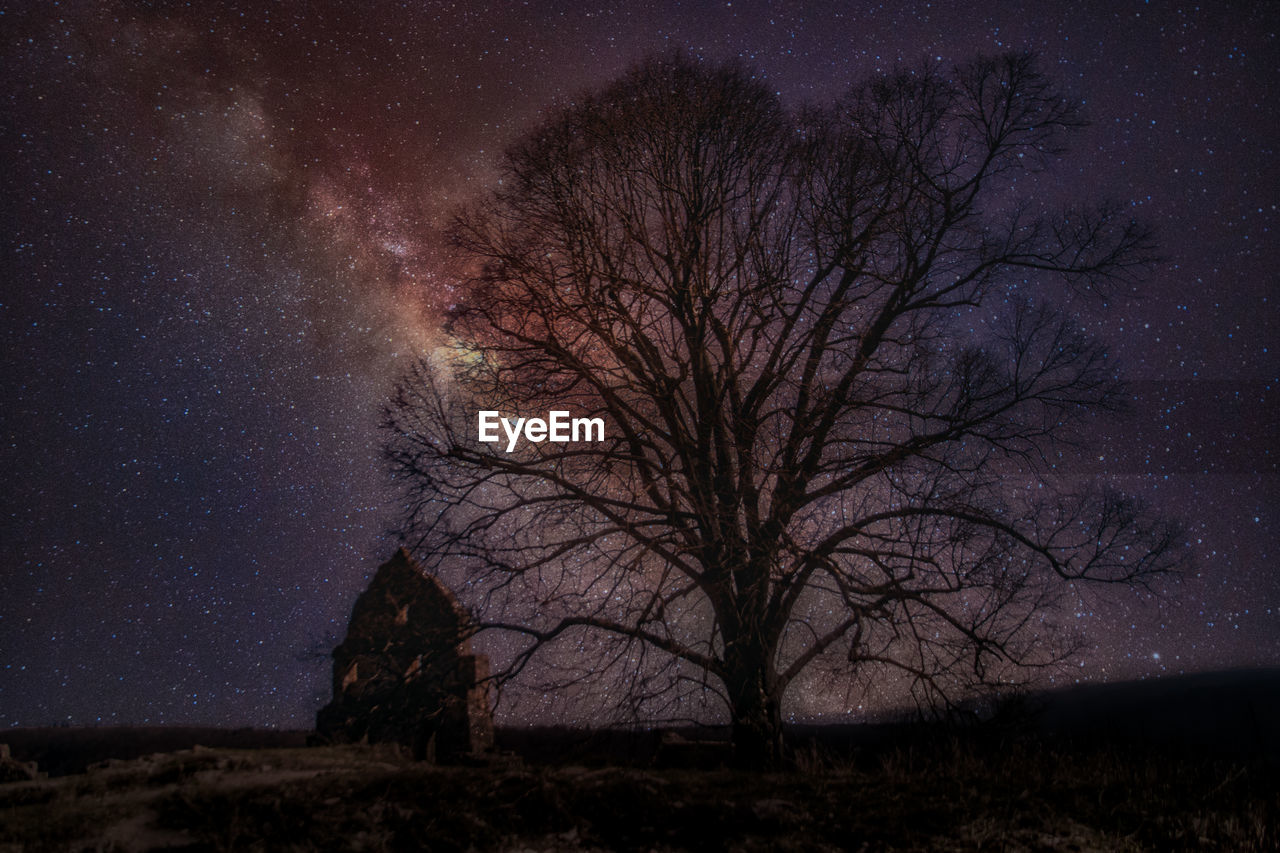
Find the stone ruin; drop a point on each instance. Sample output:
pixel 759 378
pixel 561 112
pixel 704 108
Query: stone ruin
pixel 405 672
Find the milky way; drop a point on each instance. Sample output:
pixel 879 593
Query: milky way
pixel 221 248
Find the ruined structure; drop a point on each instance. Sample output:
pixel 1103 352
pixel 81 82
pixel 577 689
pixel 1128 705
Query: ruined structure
pixel 405 672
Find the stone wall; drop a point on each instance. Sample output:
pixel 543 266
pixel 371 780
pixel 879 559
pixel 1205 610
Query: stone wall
pixel 405 672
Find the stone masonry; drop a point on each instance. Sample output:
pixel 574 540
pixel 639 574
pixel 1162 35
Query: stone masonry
pixel 405 672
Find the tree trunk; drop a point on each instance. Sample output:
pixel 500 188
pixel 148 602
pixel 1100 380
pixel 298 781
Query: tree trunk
pixel 757 715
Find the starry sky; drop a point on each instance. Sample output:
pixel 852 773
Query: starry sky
pixel 221 248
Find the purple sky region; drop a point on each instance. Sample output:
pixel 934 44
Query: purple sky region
pixel 221 248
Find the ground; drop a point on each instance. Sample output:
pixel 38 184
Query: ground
pixel 926 795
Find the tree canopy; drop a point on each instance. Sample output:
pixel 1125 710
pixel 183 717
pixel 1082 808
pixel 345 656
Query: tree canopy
pixel 824 346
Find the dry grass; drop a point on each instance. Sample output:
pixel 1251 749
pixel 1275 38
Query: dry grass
pixel 944 795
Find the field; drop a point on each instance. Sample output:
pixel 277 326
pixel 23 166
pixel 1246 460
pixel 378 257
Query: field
pixel 926 796
pixel 1206 780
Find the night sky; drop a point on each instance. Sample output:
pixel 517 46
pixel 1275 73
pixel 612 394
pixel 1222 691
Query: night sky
pixel 221 249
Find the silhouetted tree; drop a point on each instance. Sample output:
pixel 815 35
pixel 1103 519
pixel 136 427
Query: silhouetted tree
pixel 830 375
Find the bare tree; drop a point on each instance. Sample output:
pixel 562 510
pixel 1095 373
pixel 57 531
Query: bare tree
pixel 823 349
